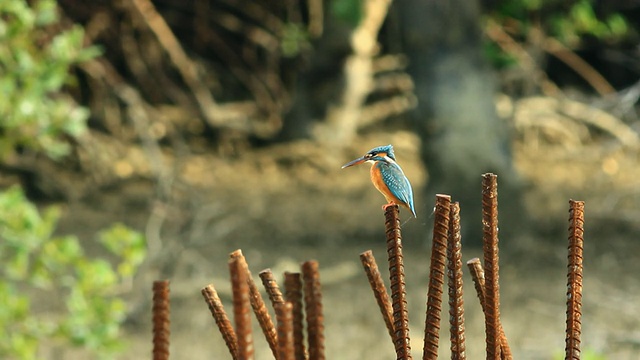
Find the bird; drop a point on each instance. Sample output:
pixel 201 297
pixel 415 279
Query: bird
pixel 387 176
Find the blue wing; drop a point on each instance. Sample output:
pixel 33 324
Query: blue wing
pixel 397 183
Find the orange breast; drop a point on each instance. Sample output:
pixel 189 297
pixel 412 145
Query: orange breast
pixel 376 179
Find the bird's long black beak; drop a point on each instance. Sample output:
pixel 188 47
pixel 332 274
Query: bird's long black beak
pixel 357 161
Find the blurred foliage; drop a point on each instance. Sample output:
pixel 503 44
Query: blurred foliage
pixel 51 291
pixel 582 20
pixel 569 22
pixel 295 39
pixel 349 11
pixel 34 66
pixel 43 274
pixel 498 57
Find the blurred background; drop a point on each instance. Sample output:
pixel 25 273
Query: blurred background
pixel 144 140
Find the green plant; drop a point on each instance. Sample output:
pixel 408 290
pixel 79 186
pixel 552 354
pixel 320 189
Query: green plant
pixel 569 22
pixel 51 290
pixel 349 11
pixel 294 40
pixel 34 66
pixel 582 20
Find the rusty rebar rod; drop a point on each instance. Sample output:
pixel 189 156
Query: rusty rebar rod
pixel 222 320
pixel 284 319
pixel 574 280
pixel 313 308
pixel 271 287
pixel 477 275
pixel 456 301
pixel 379 289
pixel 259 308
pixel 436 277
pixel 161 322
pixel 241 308
pixel 293 295
pixel 491 267
pixel 401 340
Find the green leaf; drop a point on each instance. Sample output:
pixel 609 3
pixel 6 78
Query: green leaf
pixel 97 275
pixel 350 11
pixel 46 12
pixel 126 243
pixel 38 266
pixel 618 25
pixel 35 116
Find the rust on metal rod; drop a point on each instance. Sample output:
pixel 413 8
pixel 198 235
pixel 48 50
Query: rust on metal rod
pixel 477 275
pixel 284 319
pixel 222 320
pixel 491 267
pixel 574 280
pixel 271 287
pixel 379 289
pixel 456 301
pixel 161 321
pixel 313 302
pixel 293 295
pixel 505 350
pixel 259 308
pixel 436 277
pixel 401 339
pixel 241 308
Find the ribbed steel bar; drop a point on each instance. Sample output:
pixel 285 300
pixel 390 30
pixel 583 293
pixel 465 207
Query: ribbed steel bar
pixel 402 342
pixel 574 280
pixel 454 272
pixel 271 287
pixel 161 321
pixel 477 275
pixel 222 320
pixel 293 295
pixel 491 267
pixel 284 319
pixel 436 277
pixel 313 308
pixel 259 308
pixel 241 308
pixel 379 289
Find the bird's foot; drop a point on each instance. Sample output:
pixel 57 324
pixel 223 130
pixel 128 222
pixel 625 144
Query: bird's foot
pixel 385 206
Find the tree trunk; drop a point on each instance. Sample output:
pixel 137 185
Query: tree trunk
pixel 462 136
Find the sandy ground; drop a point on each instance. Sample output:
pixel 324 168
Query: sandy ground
pixel 287 206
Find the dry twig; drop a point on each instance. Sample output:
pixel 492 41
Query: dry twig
pixel 342 120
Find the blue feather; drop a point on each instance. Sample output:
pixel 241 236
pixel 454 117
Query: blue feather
pixel 397 182
pixel 384 149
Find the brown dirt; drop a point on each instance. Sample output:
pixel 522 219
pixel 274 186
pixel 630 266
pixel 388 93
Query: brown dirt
pixel 286 204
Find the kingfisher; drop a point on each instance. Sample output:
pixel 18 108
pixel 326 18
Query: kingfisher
pixel 387 176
